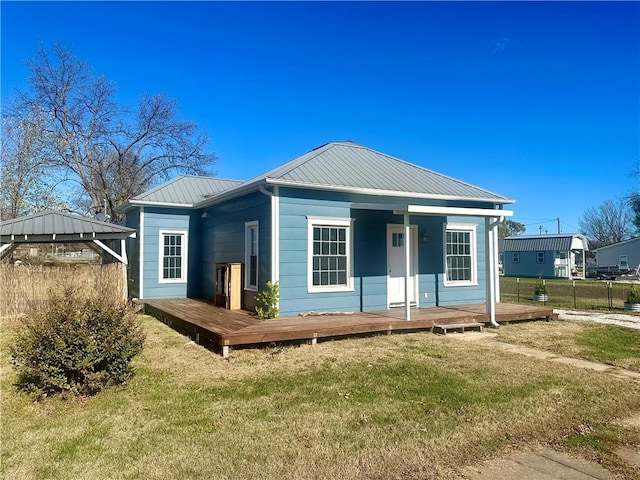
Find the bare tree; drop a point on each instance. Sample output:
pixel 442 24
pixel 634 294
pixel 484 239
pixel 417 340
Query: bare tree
pixel 26 185
pixel 634 204
pixel 609 223
pixel 108 153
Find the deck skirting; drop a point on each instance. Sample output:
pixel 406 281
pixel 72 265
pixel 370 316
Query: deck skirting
pixel 225 329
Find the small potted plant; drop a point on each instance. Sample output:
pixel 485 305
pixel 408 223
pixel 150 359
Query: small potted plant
pixel 633 299
pixel 540 293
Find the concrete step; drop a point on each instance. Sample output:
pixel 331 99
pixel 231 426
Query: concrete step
pixel 444 328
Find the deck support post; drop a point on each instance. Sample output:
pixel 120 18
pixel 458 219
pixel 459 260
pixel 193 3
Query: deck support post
pixel 407 266
pixel 225 351
pixel 313 341
pixel 496 270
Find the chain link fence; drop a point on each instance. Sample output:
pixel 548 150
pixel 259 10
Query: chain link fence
pixel 577 294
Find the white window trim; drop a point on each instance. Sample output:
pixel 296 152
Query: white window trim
pixel 470 227
pixel 247 255
pixel 337 222
pixel 185 258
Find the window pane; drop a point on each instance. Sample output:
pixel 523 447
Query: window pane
pixel 459 257
pixel 329 259
pixel 172 256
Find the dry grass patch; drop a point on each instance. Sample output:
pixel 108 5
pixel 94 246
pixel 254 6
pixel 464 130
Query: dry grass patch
pixel 400 406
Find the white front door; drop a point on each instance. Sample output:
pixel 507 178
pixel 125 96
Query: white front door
pixel 396 263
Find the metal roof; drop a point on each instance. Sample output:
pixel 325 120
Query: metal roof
pixel 44 226
pixel 341 166
pixel 186 190
pixel 541 243
pixel 353 167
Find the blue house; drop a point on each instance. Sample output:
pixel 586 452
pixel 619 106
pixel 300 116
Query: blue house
pixel 342 228
pixel 544 256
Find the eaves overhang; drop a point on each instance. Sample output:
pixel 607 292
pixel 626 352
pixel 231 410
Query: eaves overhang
pixel 66 237
pixel 388 193
pixel 142 203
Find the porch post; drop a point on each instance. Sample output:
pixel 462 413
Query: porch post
pixel 489 269
pixel 496 256
pixel 407 266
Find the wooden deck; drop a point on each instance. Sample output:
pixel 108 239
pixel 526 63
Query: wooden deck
pixel 225 328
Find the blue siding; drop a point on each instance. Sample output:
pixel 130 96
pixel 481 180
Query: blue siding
pixel 217 235
pixel 156 219
pixel 456 295
pixel 370 254
pixel 528 266
pixel 223 241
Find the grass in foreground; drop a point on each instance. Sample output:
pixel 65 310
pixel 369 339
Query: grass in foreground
pixel 400 406
pixel 609 344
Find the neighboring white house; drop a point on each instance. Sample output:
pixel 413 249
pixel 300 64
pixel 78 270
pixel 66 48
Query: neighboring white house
pixel 623 254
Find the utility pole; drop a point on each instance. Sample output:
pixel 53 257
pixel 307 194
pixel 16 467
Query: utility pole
pixel 540 229
pixel 558 225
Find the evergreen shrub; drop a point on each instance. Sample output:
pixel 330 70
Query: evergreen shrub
pixel 76 344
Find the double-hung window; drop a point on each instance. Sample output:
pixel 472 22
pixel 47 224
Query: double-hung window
pixel 330 255
pixel 460 254
pixel 251 255
pixel 516 257
pixel 173 256
pixel 539 257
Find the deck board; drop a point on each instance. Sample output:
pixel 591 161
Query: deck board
pixel 239 327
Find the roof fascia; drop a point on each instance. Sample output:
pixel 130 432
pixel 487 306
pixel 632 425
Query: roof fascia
pixel 146 203
pixel 457 211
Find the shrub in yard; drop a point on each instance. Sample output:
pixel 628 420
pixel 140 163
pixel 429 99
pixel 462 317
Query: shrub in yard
pixel 77 344
pixel 269 298
pixel 633 295
pixel 540 288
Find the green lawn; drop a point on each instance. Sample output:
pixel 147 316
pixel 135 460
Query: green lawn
pixel 589 295
pixel 392 407
pixel 609 344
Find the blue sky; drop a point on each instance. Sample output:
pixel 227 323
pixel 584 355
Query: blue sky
pixel 537 101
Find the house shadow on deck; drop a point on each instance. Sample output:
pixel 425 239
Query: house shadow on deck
pixel 223 328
